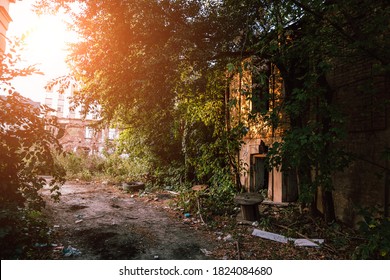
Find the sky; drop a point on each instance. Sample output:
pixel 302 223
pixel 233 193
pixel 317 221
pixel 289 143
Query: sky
pixel 45 47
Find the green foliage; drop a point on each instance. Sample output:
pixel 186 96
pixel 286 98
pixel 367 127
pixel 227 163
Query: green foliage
pixel 160 68
pixel 126 159
pixel 375 229
pixel 79 165
pixel 216 200
pixel 112 167
pixel 26 143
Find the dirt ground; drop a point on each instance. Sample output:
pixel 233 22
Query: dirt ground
pixel 101 221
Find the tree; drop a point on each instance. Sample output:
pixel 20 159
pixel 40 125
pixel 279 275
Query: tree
pixel 25 153
pixel 131 61
pixel 144 60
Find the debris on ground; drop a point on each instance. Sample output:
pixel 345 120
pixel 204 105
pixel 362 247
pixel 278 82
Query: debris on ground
pixel 70 251
pixel 283 239
pixel 282 220
pixel 228 238
pixel 40 245
pixel 206 252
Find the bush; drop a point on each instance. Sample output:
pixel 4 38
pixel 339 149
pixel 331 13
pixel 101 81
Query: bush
pixel 217 199
pixel 113 167
pixel 375 228
pixel 25 149
pixel 80 166
pixel 26 142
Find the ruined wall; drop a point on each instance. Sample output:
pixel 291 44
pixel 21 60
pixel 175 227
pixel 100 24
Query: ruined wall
pixel 242 88
pixel 362 94
pixel 80 135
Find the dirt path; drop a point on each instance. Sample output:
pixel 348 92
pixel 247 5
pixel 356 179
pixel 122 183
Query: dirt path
pixel 104 222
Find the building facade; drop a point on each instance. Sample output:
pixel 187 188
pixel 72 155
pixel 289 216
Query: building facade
pixel 252 98
pixel 362 94
pixel 78 132
pixel 5 19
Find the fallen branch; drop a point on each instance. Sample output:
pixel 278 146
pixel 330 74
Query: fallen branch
pixel 199 210
pixel 238 251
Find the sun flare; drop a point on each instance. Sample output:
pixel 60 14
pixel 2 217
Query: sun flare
pixel 46 37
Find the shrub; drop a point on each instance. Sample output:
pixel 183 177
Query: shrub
pixel 25 149
pixel 26 142
pixel 375 228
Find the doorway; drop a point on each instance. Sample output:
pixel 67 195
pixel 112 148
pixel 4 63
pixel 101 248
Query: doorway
pixel 258 173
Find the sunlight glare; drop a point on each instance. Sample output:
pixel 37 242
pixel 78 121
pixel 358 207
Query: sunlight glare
pixel 45 45
pixel 46 37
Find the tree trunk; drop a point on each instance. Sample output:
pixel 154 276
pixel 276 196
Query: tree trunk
pixel 328 204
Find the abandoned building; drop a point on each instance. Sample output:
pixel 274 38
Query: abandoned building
pixel 366 181
pixel 254 98
pixel 78 132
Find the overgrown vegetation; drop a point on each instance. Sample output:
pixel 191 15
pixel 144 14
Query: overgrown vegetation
pixel 165 76
pixel 25 154
pixel 375 230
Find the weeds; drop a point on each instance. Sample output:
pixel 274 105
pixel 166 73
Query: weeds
pixel 375 229
pixel 113 167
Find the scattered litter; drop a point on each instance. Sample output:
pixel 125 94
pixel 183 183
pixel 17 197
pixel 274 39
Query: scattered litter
pixel 255 224
pixel 78 221
pixel 156 257
pixel 56 226
pixel 219 233
pixel 284 239
pixel 270 236
pixel 228 238
pixel 40 245
pixel 308 243
pixel 187 215
pixel 58 249
pixel 70 251
pixel 206 252
pixel 173 193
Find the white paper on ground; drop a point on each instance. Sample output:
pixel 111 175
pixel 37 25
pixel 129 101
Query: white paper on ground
pixel 270 236
pixel 284 239
pixel 308 243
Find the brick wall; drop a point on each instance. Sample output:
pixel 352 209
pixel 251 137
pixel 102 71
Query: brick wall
pixel 363 96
